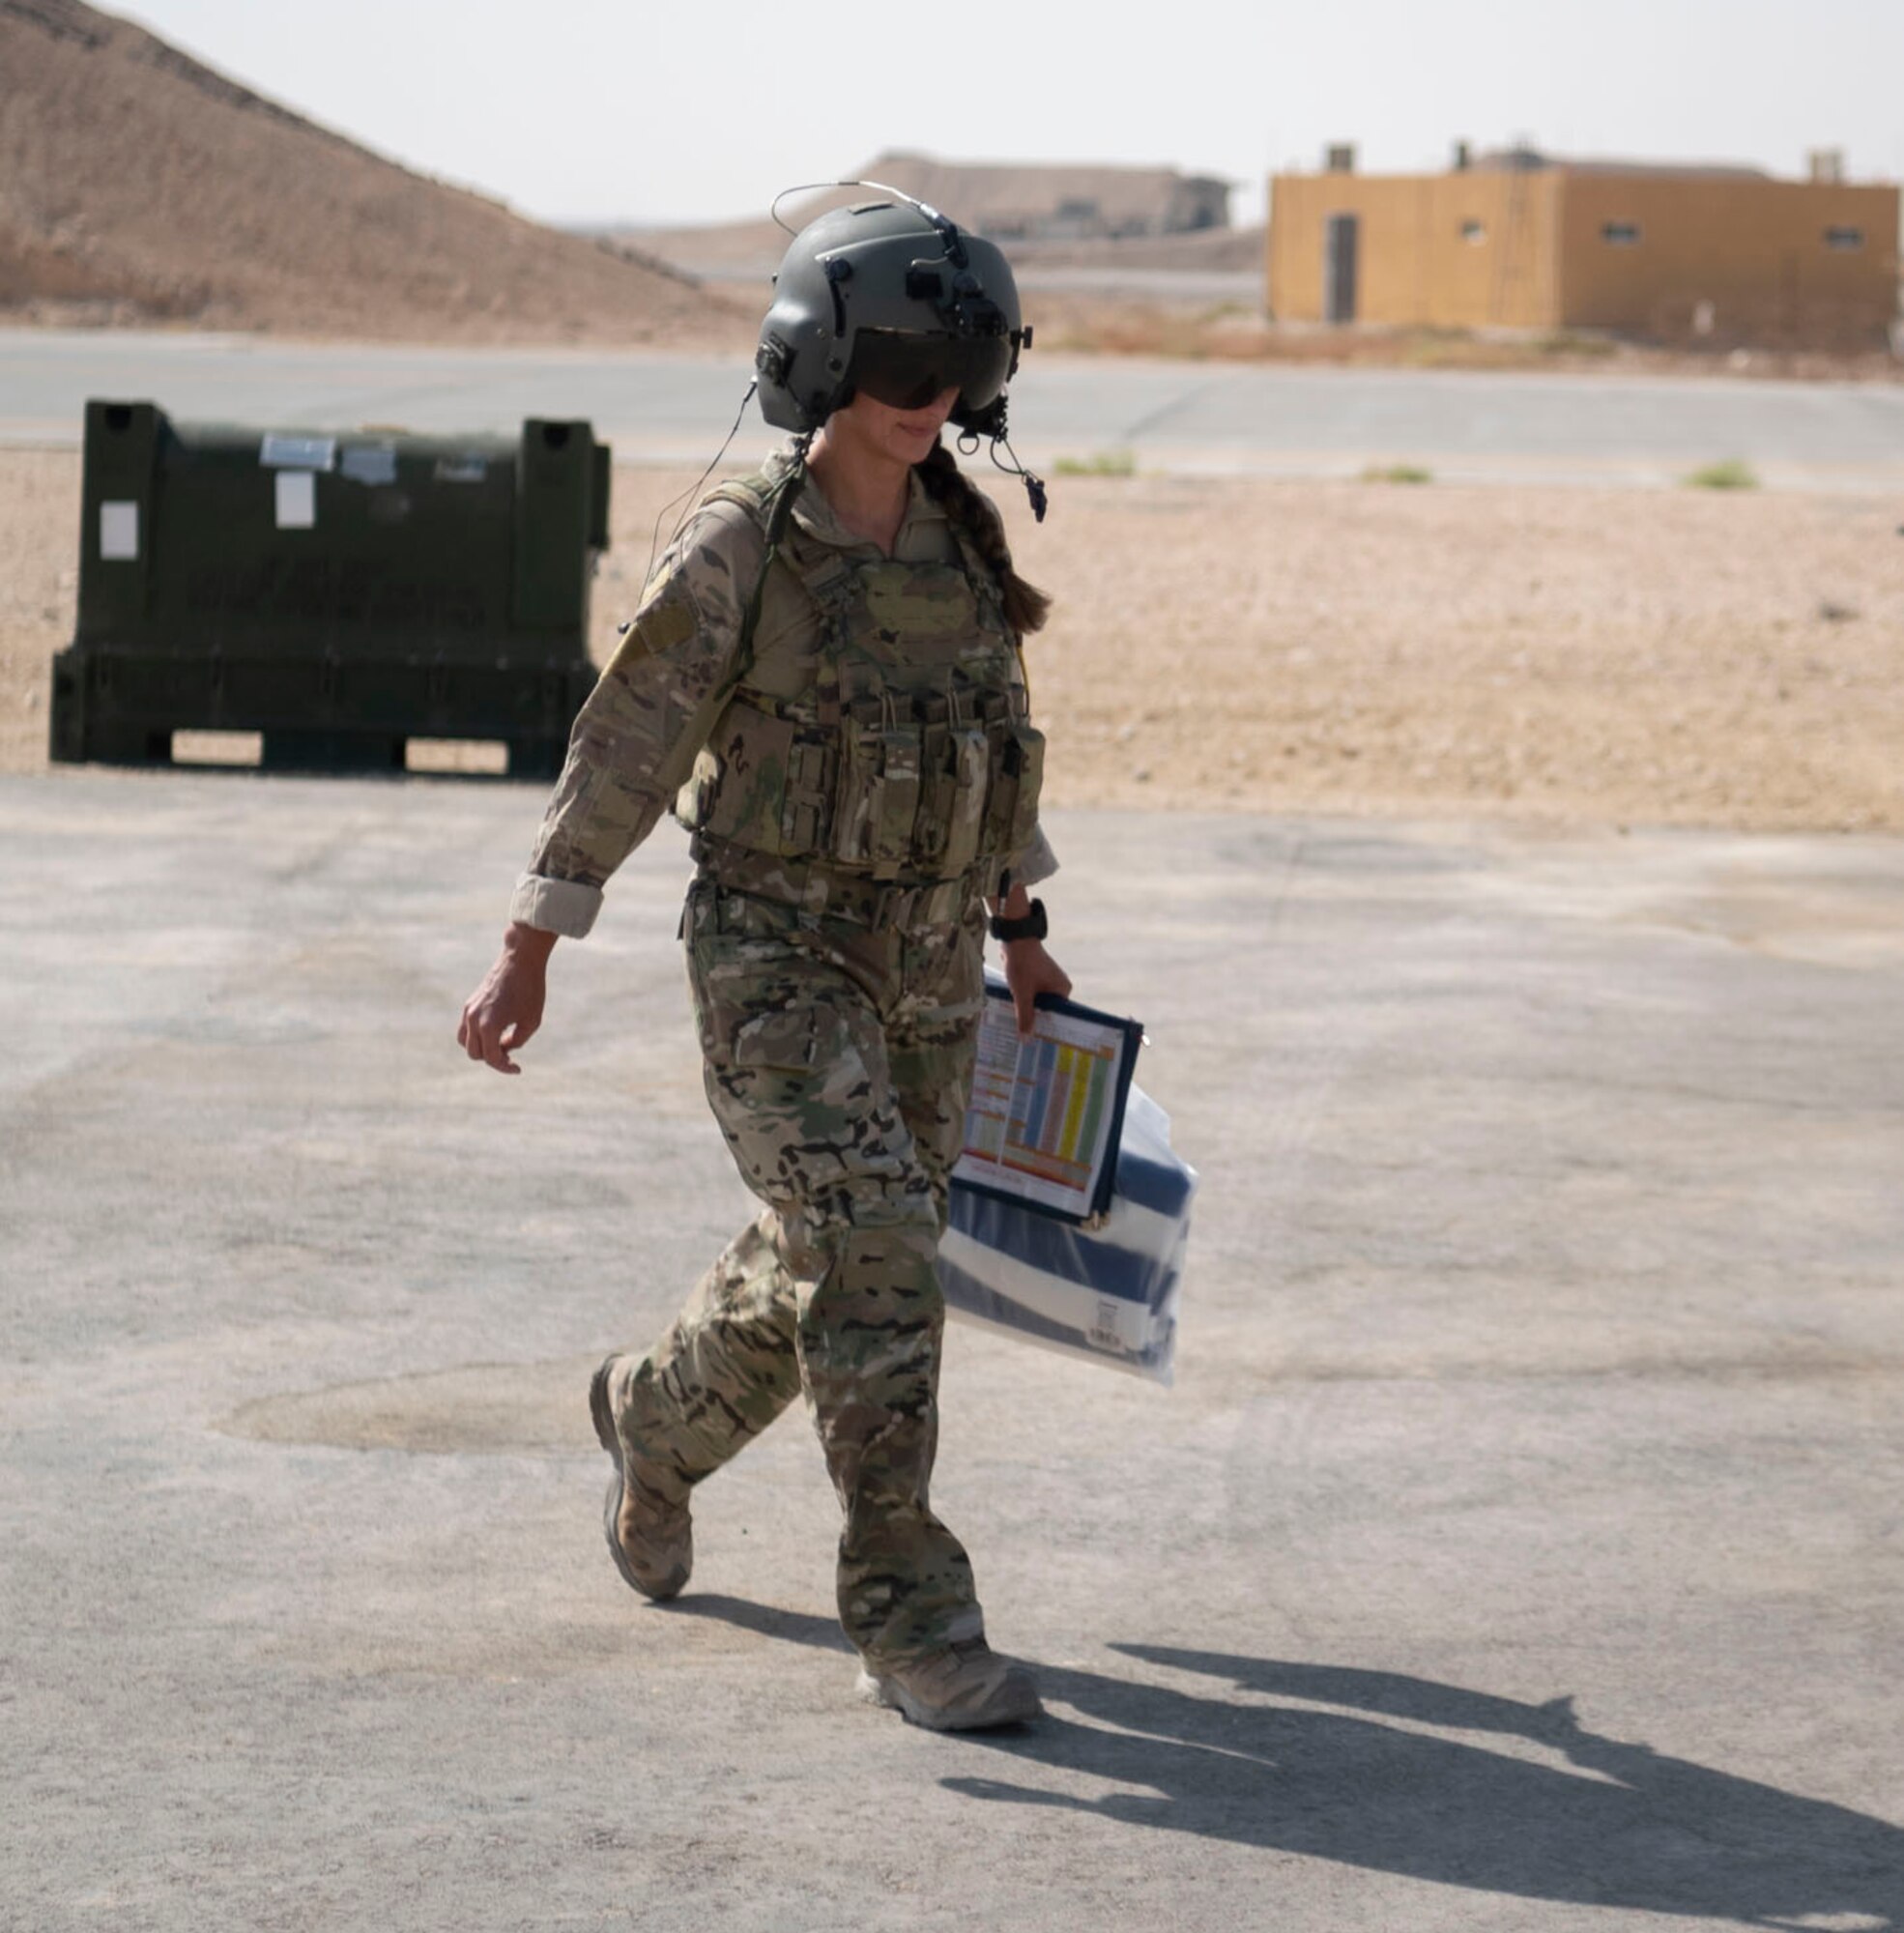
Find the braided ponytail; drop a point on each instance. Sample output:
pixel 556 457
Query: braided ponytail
pixel 1026 607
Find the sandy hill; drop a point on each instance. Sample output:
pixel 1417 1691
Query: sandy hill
pixel 139 186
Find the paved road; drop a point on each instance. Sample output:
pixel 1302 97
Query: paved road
pixel 1518 1551
pixel 1171 415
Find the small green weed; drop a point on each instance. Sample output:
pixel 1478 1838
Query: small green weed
pixel 1732 474
pixel 1103 462
pixel 1396 473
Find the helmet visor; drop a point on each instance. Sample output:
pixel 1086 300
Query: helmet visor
pixel 906 371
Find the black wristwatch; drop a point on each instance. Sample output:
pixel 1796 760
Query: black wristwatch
pixel 1033 926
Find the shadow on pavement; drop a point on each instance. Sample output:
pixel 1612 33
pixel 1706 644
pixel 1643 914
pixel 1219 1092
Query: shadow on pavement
pixel 1565 1815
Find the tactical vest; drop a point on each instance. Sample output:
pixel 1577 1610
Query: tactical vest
pixel 909 755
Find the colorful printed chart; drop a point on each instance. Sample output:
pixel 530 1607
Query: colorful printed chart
pixel 1041 1124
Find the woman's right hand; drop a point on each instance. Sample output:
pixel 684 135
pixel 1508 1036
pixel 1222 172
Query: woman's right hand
pixel 505 1010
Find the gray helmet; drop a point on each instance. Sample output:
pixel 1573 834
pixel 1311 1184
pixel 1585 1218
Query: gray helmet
pixel 890 297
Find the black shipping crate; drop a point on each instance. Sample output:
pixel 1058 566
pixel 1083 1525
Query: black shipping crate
pixel 339 593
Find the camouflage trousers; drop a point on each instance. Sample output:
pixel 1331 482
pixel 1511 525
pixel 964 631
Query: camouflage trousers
pixel 837 1059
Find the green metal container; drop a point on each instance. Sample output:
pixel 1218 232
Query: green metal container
pixel 339 593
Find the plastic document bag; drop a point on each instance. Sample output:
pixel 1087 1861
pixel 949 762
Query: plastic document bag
pixel 1105 1290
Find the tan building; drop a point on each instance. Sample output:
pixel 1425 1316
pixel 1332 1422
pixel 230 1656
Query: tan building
pixel 1516 241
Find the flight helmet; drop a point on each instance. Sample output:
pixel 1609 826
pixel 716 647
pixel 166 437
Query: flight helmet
pixel 892 298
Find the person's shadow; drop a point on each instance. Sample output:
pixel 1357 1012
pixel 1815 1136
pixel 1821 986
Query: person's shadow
pixel 1562 1814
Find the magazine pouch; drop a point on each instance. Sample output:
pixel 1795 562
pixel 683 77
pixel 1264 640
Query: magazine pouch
pixel 896 805
pixel 1011 806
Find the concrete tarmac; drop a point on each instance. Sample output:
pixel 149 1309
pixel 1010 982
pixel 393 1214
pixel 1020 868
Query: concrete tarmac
pixel 1188 417
pixel 1519 1548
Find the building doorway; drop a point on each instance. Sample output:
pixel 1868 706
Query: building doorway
pixel 1339 268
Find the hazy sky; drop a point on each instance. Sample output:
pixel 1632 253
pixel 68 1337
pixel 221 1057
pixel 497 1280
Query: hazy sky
pixel 584 110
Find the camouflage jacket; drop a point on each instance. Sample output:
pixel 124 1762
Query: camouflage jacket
pixel 636 738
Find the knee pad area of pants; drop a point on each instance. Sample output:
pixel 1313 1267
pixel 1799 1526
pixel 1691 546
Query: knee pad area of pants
pixel 897 1262
pixel 869 1327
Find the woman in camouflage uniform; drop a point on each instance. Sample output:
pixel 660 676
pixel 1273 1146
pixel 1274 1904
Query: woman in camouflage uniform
pixel 825 679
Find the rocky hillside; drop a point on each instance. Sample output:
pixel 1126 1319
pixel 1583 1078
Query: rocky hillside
pixel 137 186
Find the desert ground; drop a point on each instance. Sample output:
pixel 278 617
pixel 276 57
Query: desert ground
pixel 1583 657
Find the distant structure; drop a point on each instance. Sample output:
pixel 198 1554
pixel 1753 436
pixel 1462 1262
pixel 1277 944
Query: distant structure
pixel 1031 201
pixel 1519 240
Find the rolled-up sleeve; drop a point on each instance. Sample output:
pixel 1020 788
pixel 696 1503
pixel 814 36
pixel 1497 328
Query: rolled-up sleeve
pixel 635 738
pixel 1037 862
pixel 557 905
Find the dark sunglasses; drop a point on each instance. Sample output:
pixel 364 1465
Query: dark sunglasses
pixel 907 372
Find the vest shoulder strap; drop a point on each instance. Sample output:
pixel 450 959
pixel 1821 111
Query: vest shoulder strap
pixel 769 503
pixel 753 494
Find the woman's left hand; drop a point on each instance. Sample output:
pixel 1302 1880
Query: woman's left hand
pixel 1029 970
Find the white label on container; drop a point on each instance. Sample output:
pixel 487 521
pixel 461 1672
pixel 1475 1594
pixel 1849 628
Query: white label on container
pixel 371 463
pixel 119 533
pixel 296 499
pixel 297 452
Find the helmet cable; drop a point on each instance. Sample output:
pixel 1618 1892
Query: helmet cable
pixel 693 490
pixel 1035 490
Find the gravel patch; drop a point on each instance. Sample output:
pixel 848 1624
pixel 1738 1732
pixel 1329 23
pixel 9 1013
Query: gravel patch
pixel 1581 656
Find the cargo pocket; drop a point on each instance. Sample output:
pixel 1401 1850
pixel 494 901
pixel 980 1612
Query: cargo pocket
pixel 738 965
pixel 797 1104
pixel 791 1039
pixel 798 1063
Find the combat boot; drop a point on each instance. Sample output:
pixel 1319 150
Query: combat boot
pixel 962 1686
pixel 650 1540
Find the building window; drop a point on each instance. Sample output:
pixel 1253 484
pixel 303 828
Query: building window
pixel 1844 238
pixel 1620 234
pixel 1475 232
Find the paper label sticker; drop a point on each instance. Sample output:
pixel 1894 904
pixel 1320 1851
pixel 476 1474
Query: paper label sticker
pixel 119 533
pixel 296 499
pixel 372 463
pixel 297 452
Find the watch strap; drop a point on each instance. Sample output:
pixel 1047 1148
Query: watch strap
pixel 1033 926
